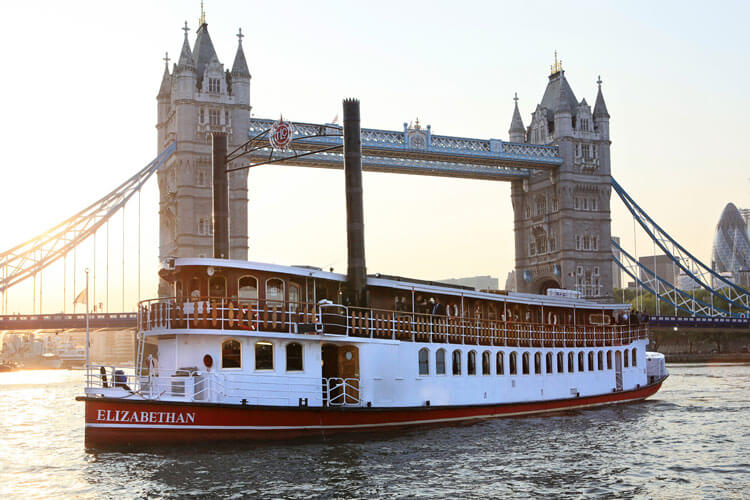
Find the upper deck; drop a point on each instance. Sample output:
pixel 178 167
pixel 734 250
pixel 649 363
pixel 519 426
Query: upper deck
pixel 247 298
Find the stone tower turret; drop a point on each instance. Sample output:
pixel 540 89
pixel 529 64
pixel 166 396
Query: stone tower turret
pixel 562 218
pixel 517 132
pixel 200 97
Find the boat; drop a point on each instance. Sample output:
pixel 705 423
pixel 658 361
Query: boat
pixel 264 351
pixel 261 351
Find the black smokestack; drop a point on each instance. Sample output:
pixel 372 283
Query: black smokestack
pixel 221 196
pixel 355 224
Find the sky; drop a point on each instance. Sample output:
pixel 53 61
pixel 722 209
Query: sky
pixel 79 105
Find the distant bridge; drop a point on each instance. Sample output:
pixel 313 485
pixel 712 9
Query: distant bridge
pixel 68 321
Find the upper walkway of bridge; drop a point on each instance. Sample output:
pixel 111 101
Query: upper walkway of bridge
pixel 414 150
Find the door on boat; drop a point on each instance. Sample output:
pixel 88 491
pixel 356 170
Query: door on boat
pixel 618 370
pixel 340 372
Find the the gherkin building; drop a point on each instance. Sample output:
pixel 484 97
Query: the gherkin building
pixel 731 252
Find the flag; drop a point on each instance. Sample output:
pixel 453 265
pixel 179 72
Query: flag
pixel 81 299
pixel 335 119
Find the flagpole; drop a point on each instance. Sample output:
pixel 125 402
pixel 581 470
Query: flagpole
pixel 87 319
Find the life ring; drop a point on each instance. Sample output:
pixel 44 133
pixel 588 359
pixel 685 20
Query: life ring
pixel 452 309
pixel 208 361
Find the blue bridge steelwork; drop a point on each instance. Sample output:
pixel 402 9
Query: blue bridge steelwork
pixel 413 151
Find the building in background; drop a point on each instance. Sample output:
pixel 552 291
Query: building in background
pixel 661 265
pixel 731 249
pixel 477 282
pixel 510 282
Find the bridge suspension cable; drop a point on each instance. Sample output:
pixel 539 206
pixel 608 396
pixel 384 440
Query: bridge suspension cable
pixel 701 274
pixel 27 259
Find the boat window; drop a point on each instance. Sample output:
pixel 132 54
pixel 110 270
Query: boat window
pixel 560 363
pixel 525 363
pixel 263 355
pixel 293 297
pixel 472 364
pixel 424 361
pixel 486 363
pixel 275 290
pixel 195 287
pixel 440 362
pixel 247 288
pixel 456 362
pixel 513 363
pixel 580 362
pixel 609 360
pixel 217 286
pixel 591 360
pixel 635 362
pixel 538 363
pixel 293 357
pixel 600 361
pixel 571 362
pixel 625 358
pixel 499 367
pixel 548 362
pixel 231 354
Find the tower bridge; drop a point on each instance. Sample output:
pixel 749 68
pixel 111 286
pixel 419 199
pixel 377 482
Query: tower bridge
pixel 558 166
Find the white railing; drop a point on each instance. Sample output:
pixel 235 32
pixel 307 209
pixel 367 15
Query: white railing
pixel 341 392
pixel 334 319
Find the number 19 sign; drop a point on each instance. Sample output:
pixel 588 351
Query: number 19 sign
pixel 281 134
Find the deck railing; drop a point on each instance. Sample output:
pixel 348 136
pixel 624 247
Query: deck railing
pixel 217 313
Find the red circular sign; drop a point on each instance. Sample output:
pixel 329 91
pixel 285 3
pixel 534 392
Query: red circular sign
pixel 281 134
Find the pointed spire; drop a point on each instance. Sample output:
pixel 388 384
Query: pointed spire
pixel 186 55
pixel 166 79
pixel 517 131
pixel 600 108
pixel 239 68
pixel 563 104
pixel 203 50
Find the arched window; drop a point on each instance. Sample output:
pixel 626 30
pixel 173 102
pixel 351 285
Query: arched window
pixel 456 362
pixel 571 362
pixel 274 290
pixel 609 360
pixel 440 362
pixel 472 364
pixel 560 362
pixel 513 363
pixel 625 358
pixel 486 363
pixel 424 361
pixel 294 357
pixel 580 362
pixel 548 362
pixel 247 288
pixel 231 354
pixel 600 361
pixel 293 297
pixel 591 360
pixel 499 363
pixel 635 360
pixel 525 363
pixel 217 286
pixel 538 363
pixel 263 355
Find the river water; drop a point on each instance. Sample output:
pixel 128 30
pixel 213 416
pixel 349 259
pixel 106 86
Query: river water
pixel 690 440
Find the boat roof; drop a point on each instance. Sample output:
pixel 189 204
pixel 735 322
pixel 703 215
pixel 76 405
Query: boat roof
pixel 401 283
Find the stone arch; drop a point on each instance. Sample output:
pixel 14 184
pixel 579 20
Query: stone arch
pixel 544 284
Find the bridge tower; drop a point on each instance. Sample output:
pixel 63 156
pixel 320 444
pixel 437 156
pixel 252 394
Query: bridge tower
pixel 562 219
pixel 196 98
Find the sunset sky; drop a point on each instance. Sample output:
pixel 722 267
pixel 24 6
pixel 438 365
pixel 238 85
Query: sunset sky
pixel 81 78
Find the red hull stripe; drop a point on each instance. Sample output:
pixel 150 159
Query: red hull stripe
pixel 128 421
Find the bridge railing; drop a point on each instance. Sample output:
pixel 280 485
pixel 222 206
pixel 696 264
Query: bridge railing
pixel 253 315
